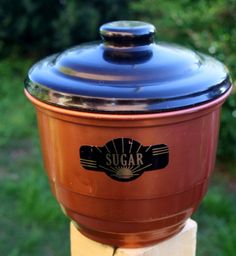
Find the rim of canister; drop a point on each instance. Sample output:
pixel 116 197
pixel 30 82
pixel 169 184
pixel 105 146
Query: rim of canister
pixel 125 117
pixel 128 74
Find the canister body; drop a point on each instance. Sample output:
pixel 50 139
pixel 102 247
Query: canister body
pixel 149 208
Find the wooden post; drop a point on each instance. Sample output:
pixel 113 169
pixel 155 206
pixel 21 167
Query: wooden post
pixel 182 244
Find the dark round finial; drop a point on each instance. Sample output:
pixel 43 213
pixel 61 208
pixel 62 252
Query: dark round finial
pixel 127 32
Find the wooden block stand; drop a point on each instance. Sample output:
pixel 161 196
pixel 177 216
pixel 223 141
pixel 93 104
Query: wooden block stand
pixel 182 244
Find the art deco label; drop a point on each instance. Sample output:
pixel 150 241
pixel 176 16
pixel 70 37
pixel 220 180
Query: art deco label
pixel 124 159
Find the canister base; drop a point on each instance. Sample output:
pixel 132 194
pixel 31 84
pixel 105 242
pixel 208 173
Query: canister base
pixel 93 220
pixel 183 243
pixel 131 240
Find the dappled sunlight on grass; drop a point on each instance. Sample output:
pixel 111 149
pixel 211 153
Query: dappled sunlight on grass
pixel 31 220
pixel 216 219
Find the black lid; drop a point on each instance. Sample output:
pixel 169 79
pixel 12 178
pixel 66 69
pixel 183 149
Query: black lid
pixel 128 73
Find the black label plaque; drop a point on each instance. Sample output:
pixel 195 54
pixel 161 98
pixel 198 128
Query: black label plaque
pixel 124 159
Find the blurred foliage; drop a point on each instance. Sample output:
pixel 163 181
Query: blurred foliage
pixel 38 28
pixel 16 122
pixel 29 26
pixel 207 26
pixel 216 219
pixel 31 221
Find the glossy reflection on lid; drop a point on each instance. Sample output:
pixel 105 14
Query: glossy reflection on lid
pixel 127 73
pixel 127 33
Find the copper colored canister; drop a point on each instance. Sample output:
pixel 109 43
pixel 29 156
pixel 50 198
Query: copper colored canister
pixel 129 132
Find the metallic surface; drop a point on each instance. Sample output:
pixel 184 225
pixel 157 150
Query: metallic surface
pixel 127 73
pixel 127 33
pixel 142 211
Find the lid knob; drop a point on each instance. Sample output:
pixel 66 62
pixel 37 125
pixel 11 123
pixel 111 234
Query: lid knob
pixel 127 33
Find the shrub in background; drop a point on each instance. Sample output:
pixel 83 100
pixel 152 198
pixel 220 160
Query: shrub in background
pixel 45 26
pixel 30 28
pixel 208 26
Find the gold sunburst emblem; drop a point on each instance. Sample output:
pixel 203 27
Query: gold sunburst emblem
pixel 124 173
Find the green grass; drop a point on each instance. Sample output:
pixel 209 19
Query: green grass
pixel 216 219
pixel 31 221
